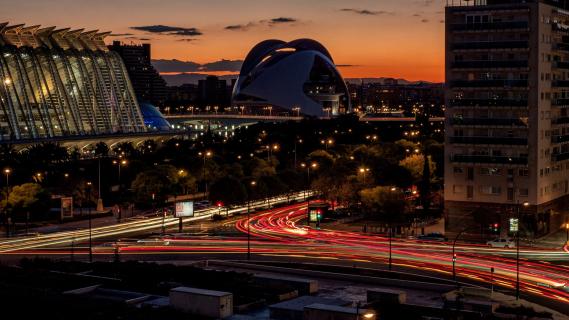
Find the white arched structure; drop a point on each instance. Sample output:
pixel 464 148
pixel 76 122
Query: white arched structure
pixel 298 74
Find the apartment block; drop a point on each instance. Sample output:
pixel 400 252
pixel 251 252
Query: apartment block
pixel 507 120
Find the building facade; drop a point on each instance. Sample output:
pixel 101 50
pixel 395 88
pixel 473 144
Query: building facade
pixel 148 85
pixel 507 125
pixel 62 83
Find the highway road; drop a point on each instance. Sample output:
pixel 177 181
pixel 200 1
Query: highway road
pixel 20 245
pixel 280 233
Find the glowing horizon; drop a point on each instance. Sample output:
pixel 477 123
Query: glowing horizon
pixel 367 38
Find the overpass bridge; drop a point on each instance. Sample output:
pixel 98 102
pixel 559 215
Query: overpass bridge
pixel 180 118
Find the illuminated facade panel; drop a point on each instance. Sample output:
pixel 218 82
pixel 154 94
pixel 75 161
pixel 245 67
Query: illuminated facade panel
pixel 58 83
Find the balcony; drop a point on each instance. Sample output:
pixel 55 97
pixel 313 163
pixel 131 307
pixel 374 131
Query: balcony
pixel 489 159
pixel 560 103
pixel 561 64
pixel 562 46
pixel 490 83
pixel 488 64
pixel 560 156
pixel 488 122
pixel 485 45
pixel 489 26
pixel 560 120
pixel 488 103
pixel 560 83
pixel 559 139
pixel 490 140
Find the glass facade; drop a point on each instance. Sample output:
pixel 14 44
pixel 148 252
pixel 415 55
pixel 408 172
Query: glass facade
pixel 62 83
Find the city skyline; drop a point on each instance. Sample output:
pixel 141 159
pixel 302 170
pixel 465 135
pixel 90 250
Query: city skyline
pixel 401 39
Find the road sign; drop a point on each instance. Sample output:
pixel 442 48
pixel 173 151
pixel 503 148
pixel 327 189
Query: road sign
pixel 514 225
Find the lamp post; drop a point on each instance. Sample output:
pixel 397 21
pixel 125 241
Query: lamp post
pixel 326 143
pixel 7 172
pixel 363 171
pixel 390 240
pixel 253 184
pixel 274 147
pixel 567 232
pixel 393 189
pixel 120 163
pixel 313 165
pixel 295 141
pixel 526 204
pixel 205 155
pixel 90 226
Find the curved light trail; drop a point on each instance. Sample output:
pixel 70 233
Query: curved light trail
pixel 278 232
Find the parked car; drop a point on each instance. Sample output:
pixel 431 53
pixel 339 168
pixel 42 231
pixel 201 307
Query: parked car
pixel 501 243
pixel 433 236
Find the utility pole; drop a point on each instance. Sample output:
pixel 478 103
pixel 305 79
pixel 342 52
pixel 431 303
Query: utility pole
pixel 390 236
pixel 90 224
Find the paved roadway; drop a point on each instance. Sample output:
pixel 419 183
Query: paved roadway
pixel 25 244
pixel 278 234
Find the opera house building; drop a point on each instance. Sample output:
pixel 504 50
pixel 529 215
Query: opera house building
pixel 297 76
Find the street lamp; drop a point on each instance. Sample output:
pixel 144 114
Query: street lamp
pixel 205 155
pixel 295 142
pixel 327 142
pixel 313 165
pixel 526 204
pixel 363 171
pixel 253 184
pixel 90 227
pixel 7 172
pixel 120 163
pixel 567 232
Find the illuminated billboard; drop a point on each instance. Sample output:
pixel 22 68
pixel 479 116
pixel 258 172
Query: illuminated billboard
pixel 184 209
pixel 66 207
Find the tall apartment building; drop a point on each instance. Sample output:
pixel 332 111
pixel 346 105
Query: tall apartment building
pixel 507 120
pixel 148 85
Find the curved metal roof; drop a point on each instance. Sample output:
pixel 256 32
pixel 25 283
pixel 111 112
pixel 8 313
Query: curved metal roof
pixel 267 47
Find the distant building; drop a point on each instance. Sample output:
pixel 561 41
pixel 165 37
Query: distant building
pixel 146 81
pixel 298 75
pixel 507 120
pixel 391 95
pixel 213 91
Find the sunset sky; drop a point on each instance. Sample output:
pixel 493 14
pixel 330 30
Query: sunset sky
pixel 369 38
